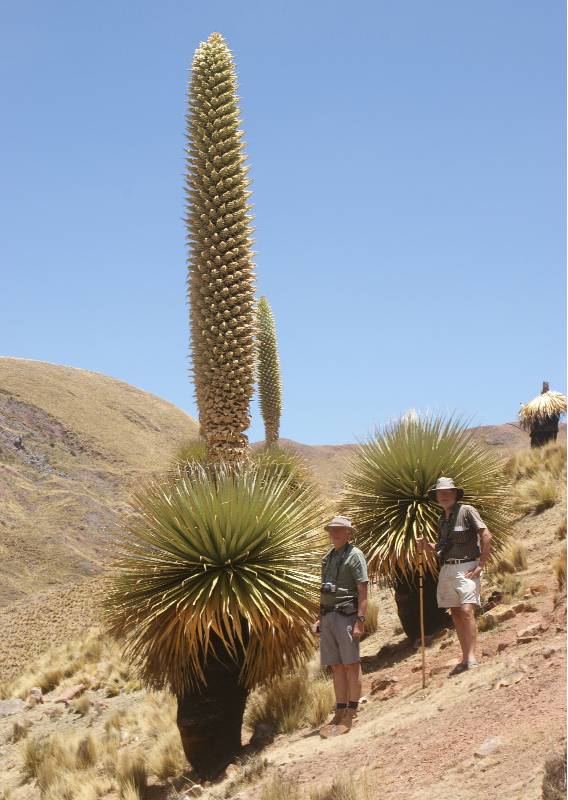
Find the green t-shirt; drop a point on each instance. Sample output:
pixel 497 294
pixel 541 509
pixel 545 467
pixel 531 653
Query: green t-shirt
pixel 346 568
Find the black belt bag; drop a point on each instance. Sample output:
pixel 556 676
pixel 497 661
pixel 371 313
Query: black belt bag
pixel 348 608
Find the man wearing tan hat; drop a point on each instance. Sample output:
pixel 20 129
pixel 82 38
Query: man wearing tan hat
pixel 463 547
pixel 343 605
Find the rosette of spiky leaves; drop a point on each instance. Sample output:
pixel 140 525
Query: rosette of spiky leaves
pixel 269 379
pixel 221 270
pixel 387 482
pixel 218 558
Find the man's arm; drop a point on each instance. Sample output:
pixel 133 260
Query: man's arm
pixel 359 627
pixel 485 546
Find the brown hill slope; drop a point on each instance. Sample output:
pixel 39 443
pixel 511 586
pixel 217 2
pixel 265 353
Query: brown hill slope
pixel 72 444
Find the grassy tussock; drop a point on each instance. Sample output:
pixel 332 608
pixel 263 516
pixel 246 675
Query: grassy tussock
pixel 95 661
pixel 134 745
pixel 340 789
pixel 560 532
pixel 550 459
pixel 512 587
pixel 251 771
pixel 554 781
pixel 372 621
pixel 560 569
pixel 537 474
pixel 291 702
pixel 514 559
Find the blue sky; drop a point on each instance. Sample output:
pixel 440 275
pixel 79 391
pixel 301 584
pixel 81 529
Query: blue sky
pixel 408 161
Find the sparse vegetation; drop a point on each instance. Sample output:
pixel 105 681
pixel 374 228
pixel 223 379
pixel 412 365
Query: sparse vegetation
pixel 511 586
pixel 554 781
pixel 372 621
pixel 536 494
pixel 343 789
pixel 560 570
pixel 290 702
pixel 514 559
pixel 537 474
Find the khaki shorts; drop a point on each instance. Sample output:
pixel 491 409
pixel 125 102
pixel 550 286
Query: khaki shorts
pixel 337 645
pixel 454 589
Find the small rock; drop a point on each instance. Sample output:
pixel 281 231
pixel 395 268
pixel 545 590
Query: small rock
pixel 488 746
pixel 503 646
pixel 446 643
pixel 532 632
pixel 540 589
pixel 549 651
pixel 70 693
pixel 524 607
pixel 503 613
pixel 526 639
pixel 232 769
pixel 508 680
pixel 488 652
pixel 380 684
pixel 390 692
pixel 11 706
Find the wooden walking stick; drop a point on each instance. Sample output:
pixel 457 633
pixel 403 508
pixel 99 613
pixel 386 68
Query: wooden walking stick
pixel 421 592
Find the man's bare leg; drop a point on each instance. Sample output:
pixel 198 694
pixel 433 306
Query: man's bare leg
pixel 340 683
pixel 466 629
pixel 355 681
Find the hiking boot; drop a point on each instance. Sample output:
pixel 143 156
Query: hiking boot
pixel 347 720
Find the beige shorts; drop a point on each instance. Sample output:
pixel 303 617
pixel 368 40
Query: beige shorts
pixel 454 589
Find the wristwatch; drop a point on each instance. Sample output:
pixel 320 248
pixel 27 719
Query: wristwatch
pixel 361 619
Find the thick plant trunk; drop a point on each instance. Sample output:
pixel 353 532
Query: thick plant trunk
pixel 407 597
pixel 210 719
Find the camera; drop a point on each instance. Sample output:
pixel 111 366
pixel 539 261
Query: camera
pixel 328 588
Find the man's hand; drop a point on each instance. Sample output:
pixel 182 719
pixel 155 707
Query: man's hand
pixel 423 544
pixel 473 573
pixel 358 629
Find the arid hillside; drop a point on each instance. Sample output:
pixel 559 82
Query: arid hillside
pixel 72 444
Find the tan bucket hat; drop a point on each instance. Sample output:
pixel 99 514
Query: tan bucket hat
pixel 340 522
pixel 444 483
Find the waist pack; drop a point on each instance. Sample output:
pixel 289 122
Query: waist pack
pixel 348 608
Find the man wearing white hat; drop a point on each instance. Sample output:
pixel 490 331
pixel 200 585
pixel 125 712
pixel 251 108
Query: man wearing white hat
pixel 463 547
pixel 343 605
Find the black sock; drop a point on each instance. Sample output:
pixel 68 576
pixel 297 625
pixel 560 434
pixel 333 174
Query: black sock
pixel 353 704
pixel 341 705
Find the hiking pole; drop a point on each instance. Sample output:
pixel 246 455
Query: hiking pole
pixel 421 592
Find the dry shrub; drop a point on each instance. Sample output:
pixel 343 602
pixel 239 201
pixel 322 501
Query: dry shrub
pixel 372 621
pixel 560 569
pixel 512 587
pixel 278 789
pixel 251 770
pixel 289 702
pixel 536 494
pixel 97 657
pixel 86 755
pixel 554 781
pixel 550 459
pixel 514 559
pixel 131 773
pixel 19 731
pixel 342 789
pixel 166 758
pixel 561 530
pixel 485 623
pixel 82 705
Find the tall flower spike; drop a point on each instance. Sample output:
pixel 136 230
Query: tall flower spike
pixel 269 380
pixel 221 270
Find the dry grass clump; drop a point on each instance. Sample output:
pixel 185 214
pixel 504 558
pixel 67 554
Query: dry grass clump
pixel 560 569
pixel 372 621
pixel 19 731
pixel 537 474
pixel 251 770
pixel 560 532
pixel 290 702
pixel 526 463
pixel 95 661
pixel 554 780
pixel 131 774
pixel 537 494
pixel 342 789
pixel 136 743
pixel 512 587
pixel 514 559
